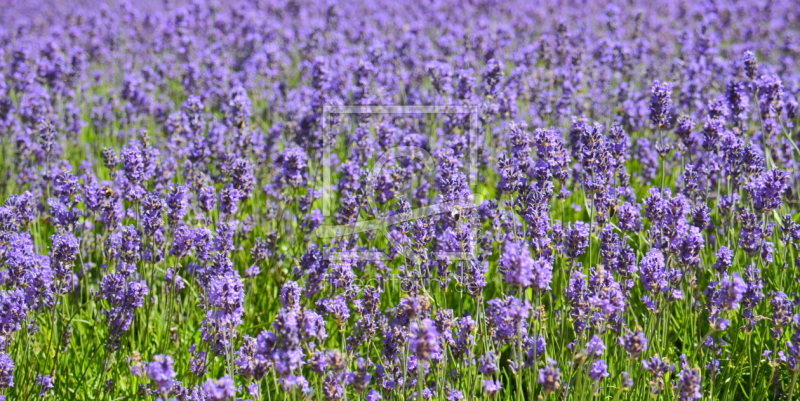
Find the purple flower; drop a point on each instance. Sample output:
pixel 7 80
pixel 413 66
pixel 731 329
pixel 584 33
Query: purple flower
pixel 750 64
pixel 133 164
pixel 237 107
pixel 6 371
pixel 182 241
pixel 754 293
pixel 242 177
pixel 712 367
pixel 152 209
pixel 293 167
pixel 125 244
pixel 736 96
pixel 507 318
pixel 361 378
pixel 63 252
pixel 767 189
pixel 336 308
pixel 657 367
pixel 550 377
pixel 110 158
pixel 511 173
pixel 465 338
pixel 223 242
pixel 713 128
pixel 13 310
pixel 373 395
pixel 290 295
pixel 690 246
pixel 627 382
pixel 598 370
pixel 782 309
pixel 577 239
pixel 633 343
pixel 653 272
pixel 423 340
pixel 521 270
pixel 595 347
pixel 332 388
pixel 770 95
pixel 226 293
pixel 253 390
pixel 689 384
pixel 177 202
pixel 517 265
pixel 660 103
pixel 491 387
pixel 487 364
pixel 223 310
pixel 291 382
pixel 534 348
pixel 341 276
pixel 724 259
pixel 207 198
pixel 629 218
pixel 726 293
pixel 45 382
pixel 221 389
pixel 751 233
pixel 229 200
pixel 161 372
pixel 550 150
pixel 605 294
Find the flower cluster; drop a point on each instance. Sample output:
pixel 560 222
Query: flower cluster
pixel 304 200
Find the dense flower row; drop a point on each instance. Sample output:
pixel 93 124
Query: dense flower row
pixel 614 217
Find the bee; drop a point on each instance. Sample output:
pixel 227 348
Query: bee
pixel 108 192
pixel 455 212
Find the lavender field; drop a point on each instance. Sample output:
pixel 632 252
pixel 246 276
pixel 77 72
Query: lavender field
pixel 377 200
